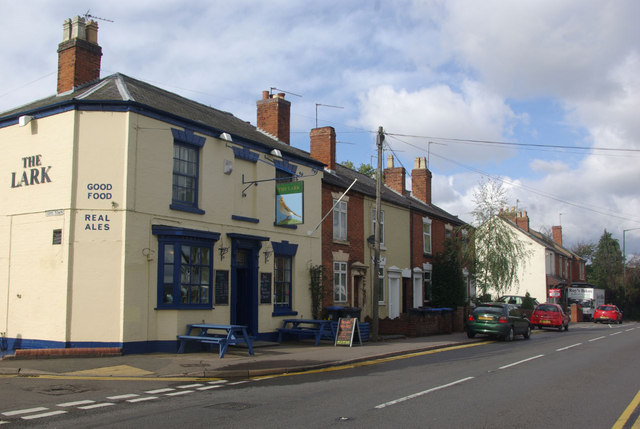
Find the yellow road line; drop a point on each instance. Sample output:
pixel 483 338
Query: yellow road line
pixel 376 361
pixel 627 413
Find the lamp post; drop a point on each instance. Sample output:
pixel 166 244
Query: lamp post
pixel 624 257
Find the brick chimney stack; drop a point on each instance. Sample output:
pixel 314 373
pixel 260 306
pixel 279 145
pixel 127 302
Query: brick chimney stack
pixel 557 234
pixel 522 220
pixel 274 114
pixel 421 180
pixel 394 177
pixel 78 54
pixel 323 146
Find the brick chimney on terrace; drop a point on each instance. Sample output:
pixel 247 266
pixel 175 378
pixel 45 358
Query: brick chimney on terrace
pixel 557 234
pixel 394 177
pixel 421 180
pixel 522 220
pixel 323 146
pixel 274 114
pixel 78 54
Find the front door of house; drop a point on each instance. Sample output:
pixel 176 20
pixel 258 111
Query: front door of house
pixel 394 296
pixel 244 283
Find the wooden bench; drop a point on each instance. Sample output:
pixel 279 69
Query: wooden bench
pixel 300 328
pixel 222 335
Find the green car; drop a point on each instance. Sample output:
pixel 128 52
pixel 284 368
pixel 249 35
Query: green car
pixel 498 319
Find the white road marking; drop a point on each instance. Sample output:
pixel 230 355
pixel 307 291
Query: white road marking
pixel 153 392
pixel 615 333
pixel 568 347
pixel 100 405
pixel 424 392
pixel 209 387
pixel 39 416
pixel 596 339
pixel 238 382
pixel 125 396
pixel 189 386
pixel 630 329
pixel 73 404
pixel 218 382
pixel 146 398
pixel 521 361
pixel 182 392
pixel 25 411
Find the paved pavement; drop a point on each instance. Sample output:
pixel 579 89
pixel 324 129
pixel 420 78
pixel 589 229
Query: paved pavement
pixel 269 358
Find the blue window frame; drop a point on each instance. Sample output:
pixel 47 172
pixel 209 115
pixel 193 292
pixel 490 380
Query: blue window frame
pixel 186 174
pixel 185 268
pixel 283 275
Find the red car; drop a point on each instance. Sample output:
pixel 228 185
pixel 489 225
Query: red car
pixel 550 316
pixel 608 313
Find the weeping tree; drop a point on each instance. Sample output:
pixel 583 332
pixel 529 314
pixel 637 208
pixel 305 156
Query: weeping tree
pixel 498 252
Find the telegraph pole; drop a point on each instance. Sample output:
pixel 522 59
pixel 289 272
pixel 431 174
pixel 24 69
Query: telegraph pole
pixel 376 262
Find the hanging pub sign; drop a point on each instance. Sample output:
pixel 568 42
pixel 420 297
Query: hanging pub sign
pixel 289 203
pixel 347 329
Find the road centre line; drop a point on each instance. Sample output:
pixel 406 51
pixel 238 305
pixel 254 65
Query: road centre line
pixel 521 361
pixel 125 396
pixel 217 382
pixel 145 398
pixel 615 333
pixel 181 392
pixel 165 390
pixel 189 386
pixel 568 347
pixel 630 329
pixel 75 403
pixel 25 411
pixel 42 415
pixel 208 387
pixel 100 405
pixel 597 338
pixel 424 392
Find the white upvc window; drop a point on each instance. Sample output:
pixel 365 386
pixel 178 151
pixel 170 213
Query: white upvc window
pixel 340 220
pixel 340 282
pixel 373 224
pixel 550 263
pixel 426 235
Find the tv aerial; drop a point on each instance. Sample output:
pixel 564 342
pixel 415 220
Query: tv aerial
pixel 88 15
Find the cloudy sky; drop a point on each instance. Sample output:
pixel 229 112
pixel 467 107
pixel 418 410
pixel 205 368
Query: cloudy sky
pixel 544 94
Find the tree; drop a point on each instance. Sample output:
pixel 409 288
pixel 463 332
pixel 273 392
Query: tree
pixel 499 252
pixel 606 270
pixel 585 249
pixel 365 169
pixel 447 281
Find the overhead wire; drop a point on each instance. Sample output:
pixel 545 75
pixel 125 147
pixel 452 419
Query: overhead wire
pixel 593 209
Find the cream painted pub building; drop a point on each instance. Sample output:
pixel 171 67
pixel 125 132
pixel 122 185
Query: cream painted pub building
pixel 128 212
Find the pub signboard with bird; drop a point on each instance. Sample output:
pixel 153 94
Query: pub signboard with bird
pixel 289 203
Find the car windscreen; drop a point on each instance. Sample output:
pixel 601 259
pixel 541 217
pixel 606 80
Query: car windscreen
pixel 487 309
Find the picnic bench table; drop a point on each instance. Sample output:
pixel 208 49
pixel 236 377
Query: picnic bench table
pixel 307 328
pixel 223 335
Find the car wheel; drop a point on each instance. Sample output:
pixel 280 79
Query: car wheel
pixel 509 336
pixel 566 328
pixel 560 328
pixel 471 334
pixel 527 333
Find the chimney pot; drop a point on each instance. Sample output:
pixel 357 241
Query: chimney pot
pixel 389 161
